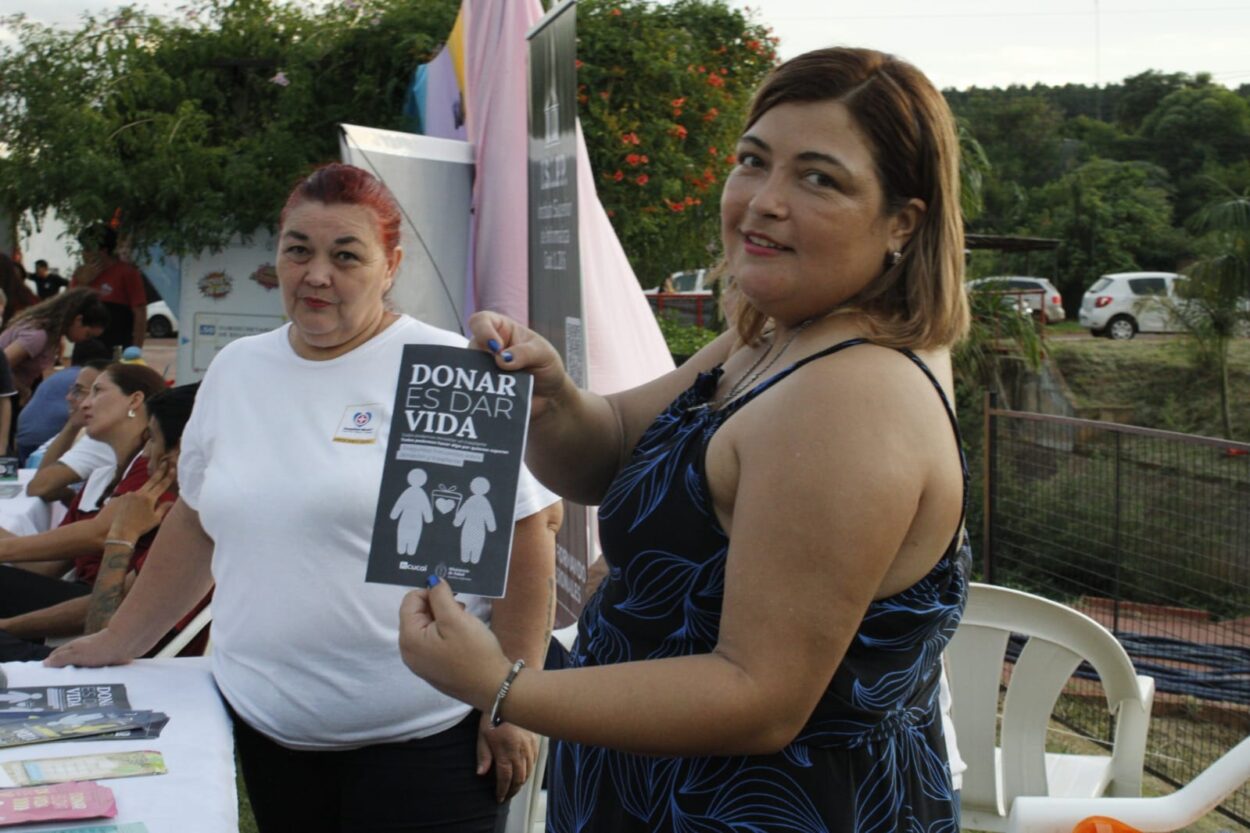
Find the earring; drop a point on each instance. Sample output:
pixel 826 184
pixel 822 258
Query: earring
pixel 894 257
pixel 131 413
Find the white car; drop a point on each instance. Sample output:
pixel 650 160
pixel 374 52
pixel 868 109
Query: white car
pixel 1123 304
pixel 161 320
pixel 689 282
pixel 1041 296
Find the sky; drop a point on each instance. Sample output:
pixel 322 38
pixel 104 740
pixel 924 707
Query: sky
pixel 963 43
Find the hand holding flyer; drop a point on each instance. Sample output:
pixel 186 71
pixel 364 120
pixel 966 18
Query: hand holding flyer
pixel 453 459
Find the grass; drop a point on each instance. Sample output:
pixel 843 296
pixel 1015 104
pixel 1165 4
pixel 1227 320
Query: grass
pixel 1159 380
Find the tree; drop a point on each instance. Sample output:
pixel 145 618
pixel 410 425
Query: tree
pixel 1111 217
pixel 663 92
pixel 1142 93
pixel 1192 133
pixel 195 128
pixel 1216 307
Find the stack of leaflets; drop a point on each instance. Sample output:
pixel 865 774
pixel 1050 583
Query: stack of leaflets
pixel 59 802
pixel 87 712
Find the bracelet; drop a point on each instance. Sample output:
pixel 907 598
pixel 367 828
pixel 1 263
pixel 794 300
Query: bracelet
pixel 495 717
pixel 121 541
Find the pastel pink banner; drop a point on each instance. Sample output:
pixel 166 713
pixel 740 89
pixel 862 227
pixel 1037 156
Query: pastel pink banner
pixel 623 342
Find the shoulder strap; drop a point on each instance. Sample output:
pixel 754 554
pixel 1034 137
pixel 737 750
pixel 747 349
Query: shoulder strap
pixel 916 360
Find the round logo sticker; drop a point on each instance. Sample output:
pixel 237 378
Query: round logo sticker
pixel 362 418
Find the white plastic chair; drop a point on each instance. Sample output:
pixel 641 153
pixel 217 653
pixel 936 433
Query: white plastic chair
pixel 1150 815
pixel 191 631
pixel 1002 771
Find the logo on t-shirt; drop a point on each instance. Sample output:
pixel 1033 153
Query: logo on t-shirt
pixel 359 424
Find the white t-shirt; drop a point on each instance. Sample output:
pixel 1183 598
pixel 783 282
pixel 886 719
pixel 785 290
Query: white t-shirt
pixel 84 456
pixel 304 649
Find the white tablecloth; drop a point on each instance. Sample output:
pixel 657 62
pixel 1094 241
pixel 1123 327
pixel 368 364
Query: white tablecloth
pixel 198 794
pixel 25 515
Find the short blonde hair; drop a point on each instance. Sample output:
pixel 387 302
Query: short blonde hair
pixel 920 301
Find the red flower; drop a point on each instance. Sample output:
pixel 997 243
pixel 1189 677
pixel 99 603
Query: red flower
pixel 675 207
pixel 724 71
pixel 645 160
pixel 678 131
pixel 716 80
pixel 701 69
pixel 578 63
pixel 677 102
pixel 630 139
pixel 753 45
pixel 713 152
pixel 642 179
pixel 633 159
pixel 692 201
pixel 711 114
pixel 615 12
pixel 731 159
pixel 618 176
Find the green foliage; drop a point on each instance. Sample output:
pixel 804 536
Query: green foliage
pixel 663 92
pixel 1217 304
pixel 684 339
pixel 1111 217
pixel 195 127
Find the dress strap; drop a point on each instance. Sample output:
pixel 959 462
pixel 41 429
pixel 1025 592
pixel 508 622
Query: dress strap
pixel 916 360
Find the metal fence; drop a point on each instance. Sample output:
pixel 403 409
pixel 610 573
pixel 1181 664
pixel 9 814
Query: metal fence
pixel 1147 532
pixel 686 308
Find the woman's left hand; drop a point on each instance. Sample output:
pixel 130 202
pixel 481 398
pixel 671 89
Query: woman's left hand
pixel 141 511
pixel 511 750
pixel 450 648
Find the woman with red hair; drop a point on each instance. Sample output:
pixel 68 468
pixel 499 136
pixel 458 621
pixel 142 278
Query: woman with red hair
pixel 277 504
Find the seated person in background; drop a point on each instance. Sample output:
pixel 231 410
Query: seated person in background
pixel 32 340
pixel 8 397
pixel 48 409
pixel 129 521
pixel 71 455
pixel 115 413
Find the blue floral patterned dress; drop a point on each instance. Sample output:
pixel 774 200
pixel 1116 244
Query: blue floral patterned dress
pixel 871 758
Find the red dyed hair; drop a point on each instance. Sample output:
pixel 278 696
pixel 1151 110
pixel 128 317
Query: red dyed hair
pixel 339 184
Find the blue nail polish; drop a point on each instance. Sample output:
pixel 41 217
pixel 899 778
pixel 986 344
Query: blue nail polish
pixel 432 581
pixel 493 345
pixel 507 357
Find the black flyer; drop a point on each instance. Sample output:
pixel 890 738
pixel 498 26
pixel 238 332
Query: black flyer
pixel 449 484
pixel 20 702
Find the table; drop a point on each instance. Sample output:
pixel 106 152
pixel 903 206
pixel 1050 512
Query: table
pixel 25 515
pixel 197 795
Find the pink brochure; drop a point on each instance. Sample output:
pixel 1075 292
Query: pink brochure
pixel 56 802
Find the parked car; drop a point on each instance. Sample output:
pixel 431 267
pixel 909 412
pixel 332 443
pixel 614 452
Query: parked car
pixel 161 320
pixel 687 282
pixel 1042 297
pixel 1123 304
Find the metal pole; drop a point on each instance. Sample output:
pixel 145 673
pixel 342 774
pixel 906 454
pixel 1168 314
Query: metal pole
pixel 989 468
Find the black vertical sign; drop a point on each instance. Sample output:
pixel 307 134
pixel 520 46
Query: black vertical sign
pixel 555 296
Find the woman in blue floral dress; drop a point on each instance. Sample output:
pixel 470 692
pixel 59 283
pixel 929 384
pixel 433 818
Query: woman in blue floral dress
pixel 782 515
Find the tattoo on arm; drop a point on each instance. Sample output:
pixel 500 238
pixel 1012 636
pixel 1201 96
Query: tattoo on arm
pixel 109 589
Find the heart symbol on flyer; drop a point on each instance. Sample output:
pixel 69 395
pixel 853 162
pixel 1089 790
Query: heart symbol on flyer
pixel 444 505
